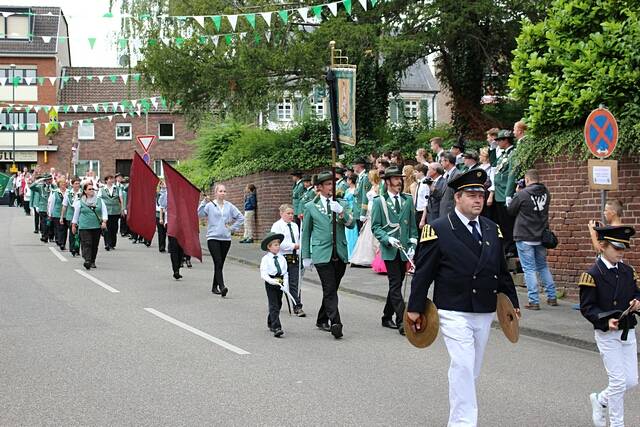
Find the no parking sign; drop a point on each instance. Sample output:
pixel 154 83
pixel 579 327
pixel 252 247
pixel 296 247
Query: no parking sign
pixel 601 132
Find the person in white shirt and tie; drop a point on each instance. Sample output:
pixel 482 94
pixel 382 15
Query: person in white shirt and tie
pixel 273 270
pixel 290 249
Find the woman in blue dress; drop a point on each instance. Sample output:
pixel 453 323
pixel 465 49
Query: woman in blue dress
pixel 349 197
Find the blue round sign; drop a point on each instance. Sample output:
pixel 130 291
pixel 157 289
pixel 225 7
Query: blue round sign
pixel 146 158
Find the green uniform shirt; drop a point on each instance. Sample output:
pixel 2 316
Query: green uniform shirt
pixel 56 209
pixel 361 201
pixel 111 200
pixel 504 180
pixel 296 197
pixel 88 218
pixel 71 199
pixel 43 191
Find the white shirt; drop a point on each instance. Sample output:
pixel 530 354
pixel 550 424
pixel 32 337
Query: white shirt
pixel 422 194
pixel 466 221
pixel 281 227
pixel 392 197
pixel 607 263
pixel 268 267
pixel 99 205
pixel 323 203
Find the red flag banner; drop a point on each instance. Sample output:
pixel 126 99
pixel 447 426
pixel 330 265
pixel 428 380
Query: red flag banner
pixel 141 203
pixel 182 211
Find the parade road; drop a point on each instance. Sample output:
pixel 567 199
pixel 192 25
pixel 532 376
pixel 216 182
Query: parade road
pixel 126 344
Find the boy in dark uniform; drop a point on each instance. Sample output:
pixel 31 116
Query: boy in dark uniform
pixel 607 289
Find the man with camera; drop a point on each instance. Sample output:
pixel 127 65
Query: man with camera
pixel 530 206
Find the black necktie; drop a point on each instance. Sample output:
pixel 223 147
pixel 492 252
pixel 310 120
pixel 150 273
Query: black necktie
pixel 278 269
pixel 415 202
pixel 474 232
pixel 328 208
pixel 293 239
pixel 397 203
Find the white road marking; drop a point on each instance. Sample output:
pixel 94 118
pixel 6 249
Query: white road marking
pixel 57 254
pixel 198 332
pixel 96 281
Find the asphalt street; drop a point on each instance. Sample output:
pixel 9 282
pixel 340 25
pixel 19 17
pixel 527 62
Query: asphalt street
pixel 126 344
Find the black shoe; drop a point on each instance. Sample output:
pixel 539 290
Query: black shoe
pixel 177 275
pixel 401 329
pixel 278 333
pixel 336 330
pixel 61 248
pixel 147 244
pixel 188 262
pixel 35 232
pixel 87 265
pixel 216 291
pixel 134 241
pixel 93 265
pixel 299 312
pixel 162 250
pixel 44 240
pixel 107 248
pixel 223 291
pixel 388 323
pixel 323 326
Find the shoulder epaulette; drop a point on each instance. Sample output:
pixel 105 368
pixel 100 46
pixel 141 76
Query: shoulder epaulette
pixel 499 232
pixel 636 277
pixel 586 280
pixel 428 233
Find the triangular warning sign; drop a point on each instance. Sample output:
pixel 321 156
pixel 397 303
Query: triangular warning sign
pixel 146 141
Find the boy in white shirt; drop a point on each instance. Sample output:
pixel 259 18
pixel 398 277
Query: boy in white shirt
pixel 290 249
pixel 273 270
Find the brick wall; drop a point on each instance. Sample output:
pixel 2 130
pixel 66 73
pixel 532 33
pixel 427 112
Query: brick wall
pixel 572 205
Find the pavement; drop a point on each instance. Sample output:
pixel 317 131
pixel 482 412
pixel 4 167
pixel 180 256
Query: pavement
pixel 562 324
pixel 126 344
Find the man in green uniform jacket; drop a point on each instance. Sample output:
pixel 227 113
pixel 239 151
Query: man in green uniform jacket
pixel 504 183
pixel 42 188
pixel 110 195
pixel 296 194
pixel 308 195
pixel 318 249
pixel 362 188
pixel 341 183
pixel 393 223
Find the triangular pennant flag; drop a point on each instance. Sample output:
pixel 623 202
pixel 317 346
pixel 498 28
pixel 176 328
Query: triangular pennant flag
pixel 304 12
pixel 268 35
pixel 100 78
pixel 46 108
pixel 52 80
pixel 347 6
pixel 228 39
pixel 64 79
pixel 92 42
pixel 61 124
pixel 125 78
pixel 203 39
pixel 89 78
pixel 217 21
pixel 46 39
pixel 7 14
pixel 108 15
pixel 37 108
pixel 113 78
pixel 124 115
pixel 215 40
pixel 3 81
pixel 74 108
pixel 251 19
pixel 373 3
pixel 179 41
pixel 65 108
pixel 199 20
pixel 77 78
pixel 267 18
pixel 105 107
pixel 110 118
pixel 95 107
pixel 363 3
pixel 233 20
pixel 284 15
pixel 38 126
pixel 317 11
pixel 122 43
pixel 114 104
pixel 63 39
pixel 28 108
pixel 41 81
pixel 152 42
pixel 136 77
pixel 333 7
pixel 85 108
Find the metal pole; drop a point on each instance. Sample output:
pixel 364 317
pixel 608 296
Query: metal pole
pixel 603 202
pixel 13 126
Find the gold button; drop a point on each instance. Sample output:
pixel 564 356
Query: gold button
pixel 474 277
pixel 495 277
pixel 474 291
pixel 615 303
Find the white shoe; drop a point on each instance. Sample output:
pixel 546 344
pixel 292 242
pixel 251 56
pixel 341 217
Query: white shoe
pixel 598 412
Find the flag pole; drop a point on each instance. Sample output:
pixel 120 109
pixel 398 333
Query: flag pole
pixel 335 141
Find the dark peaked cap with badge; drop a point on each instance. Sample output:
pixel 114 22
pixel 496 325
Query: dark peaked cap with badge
pixel 323 177
pixel 618 235
pixel 472 180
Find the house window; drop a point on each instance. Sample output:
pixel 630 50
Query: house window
pixel 411 109
pixel 123 131
pixel 285 110
pixel 318 108
pixel 159 170
pixel 86 131
pixel 20 75
pixel 166 131
pixel 17 26
pixel 83 166
pixel 20 121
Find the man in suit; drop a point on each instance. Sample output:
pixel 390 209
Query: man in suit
pixel 394 225
pixel 471 159
pixel 438 187
pixel 296 194
pixel 448 163
pixel 462 254
pixel 504 183
pixel 328 255
pixel 362 187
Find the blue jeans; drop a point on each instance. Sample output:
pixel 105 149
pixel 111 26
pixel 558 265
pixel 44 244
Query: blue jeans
pixel 533 258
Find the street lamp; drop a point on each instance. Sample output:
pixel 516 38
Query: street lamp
pixel 14 168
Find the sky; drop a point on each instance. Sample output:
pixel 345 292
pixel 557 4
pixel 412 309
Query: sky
pixel 84 18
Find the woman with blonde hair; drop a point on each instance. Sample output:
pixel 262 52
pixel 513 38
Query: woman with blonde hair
pixel 410 183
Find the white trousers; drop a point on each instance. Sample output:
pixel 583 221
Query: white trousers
pixel 621 362
pixel 249 224
pixel 465 335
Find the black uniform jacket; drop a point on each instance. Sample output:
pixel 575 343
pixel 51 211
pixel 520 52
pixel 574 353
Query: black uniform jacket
pixel 467 275
pixel 605 294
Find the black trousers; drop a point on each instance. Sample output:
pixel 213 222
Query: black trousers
pixel 162 235
pixel 26 207
pixel 274 297
pixel 506 221
pixel 12 198
pixel 176 253
pixel 294 279
pixel 36 220
pixel 218 250
pixel 111 238
pixel 396 270
pixel 46 229
pixel 331 274
pixel 124 229
pixel 60 231
pixel 89 242
pixel 71 237
pixel 359 225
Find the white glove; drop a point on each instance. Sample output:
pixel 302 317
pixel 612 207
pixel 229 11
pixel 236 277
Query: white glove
pixel 394 242
pixel 413 241
pixel 363 218
pixel 336 207
pixel 411 253
pixel 307 263
pixel 507 201
pixel 274 282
